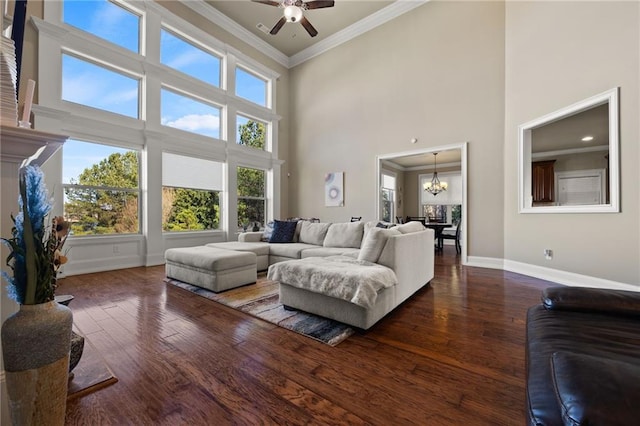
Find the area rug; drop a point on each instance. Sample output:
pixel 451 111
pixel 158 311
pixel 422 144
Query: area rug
pixel 91 374
pixel 261 300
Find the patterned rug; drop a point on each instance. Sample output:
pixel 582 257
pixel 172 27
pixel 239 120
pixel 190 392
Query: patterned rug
pixel 261 300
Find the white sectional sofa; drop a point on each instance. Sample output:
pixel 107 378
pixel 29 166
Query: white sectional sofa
pixel 352 272
pixel 400 260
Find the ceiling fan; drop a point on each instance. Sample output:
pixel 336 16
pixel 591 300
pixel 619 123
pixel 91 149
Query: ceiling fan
pixel 293 12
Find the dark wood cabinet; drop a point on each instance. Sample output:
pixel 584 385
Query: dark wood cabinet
pixel 542 181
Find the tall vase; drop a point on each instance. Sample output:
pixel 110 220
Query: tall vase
pixel 36 342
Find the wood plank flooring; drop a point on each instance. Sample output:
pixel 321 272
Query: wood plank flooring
pixel 453 354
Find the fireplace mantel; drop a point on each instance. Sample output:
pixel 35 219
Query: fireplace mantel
pixel 19 143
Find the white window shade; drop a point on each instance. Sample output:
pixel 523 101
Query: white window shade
pixel 180 171
pixel 581 187
pixel 453 194
pixel 388 181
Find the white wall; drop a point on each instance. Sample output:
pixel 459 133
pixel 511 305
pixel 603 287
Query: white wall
pixel 558 53
pixel 436 74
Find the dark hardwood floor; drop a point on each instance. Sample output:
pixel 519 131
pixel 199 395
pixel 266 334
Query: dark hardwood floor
pixel 453 354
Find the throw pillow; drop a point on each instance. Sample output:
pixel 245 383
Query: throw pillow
pixel 296 235
pixel 344 235
pixel 374 243
pixel 268 230
pixel 313 233
pixel 282 231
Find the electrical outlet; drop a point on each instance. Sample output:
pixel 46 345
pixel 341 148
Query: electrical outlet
pixel 116 249
pixel 548 254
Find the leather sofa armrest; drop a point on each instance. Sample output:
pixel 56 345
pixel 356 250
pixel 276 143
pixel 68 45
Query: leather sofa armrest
pixel 597 300
pixel 595 391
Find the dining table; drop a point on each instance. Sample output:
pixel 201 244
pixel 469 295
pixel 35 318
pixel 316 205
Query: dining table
pixel 438 227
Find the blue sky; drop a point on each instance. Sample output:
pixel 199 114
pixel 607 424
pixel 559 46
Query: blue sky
pixel 89 84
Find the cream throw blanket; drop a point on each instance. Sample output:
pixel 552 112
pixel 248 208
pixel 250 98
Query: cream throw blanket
pixel 342 277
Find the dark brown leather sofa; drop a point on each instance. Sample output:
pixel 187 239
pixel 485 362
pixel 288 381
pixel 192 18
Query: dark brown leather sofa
pixel 583 357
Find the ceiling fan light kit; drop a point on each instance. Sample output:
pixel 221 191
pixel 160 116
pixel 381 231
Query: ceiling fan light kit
pixel 294 12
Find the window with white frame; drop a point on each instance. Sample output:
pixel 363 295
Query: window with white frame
pixel 251 87
pixel 106 19
pixel 252 200
pixel 191 190
pixel 124 82
pixel 251 132
pixel 186 57
pixel 101 191
pixel 388 196
pixel 188 114
pixel 96 86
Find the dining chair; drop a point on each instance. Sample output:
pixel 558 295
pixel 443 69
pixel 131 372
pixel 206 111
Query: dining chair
pixel 450 234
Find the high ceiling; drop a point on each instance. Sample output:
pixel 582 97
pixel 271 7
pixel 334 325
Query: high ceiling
pixel 292 38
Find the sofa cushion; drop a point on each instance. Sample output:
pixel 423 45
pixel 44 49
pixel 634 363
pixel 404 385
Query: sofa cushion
pixel 210 258
pixel 413 226
pixel 260 249
pixel 291 250
pixel 313 233
pixel 330 251
pixel 374 243
pixel 296 235
pixel 344 235
pixel 282 232
pixel 609 399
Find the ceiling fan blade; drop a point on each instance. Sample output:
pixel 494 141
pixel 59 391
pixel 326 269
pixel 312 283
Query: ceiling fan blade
pixel 318 4
pixel 278 25
pixel 307 26
pixel 269 2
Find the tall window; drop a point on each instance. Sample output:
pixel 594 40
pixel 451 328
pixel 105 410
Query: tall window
pixel 177 53
pixel 388 197
pixel 251 132
pixel 251 87
pixel 93 85
pixel 101 190
pixel 190 193
pixel 190 115
pixel 105 19
pixel 110 55
pixel 251 196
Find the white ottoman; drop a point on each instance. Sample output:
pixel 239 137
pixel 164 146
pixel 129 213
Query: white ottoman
pixel 212 268
pixel 260 249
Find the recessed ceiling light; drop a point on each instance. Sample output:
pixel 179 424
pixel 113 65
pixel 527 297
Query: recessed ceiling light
pixel 587 139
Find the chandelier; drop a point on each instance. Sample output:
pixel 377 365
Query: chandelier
pixel 435 186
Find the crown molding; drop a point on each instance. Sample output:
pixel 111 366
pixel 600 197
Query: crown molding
pixel 399 7
pixel 231 26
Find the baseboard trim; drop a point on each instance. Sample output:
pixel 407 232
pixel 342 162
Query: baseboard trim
pixel 564 277
pixel 111 264
pixel 155 260
pixel 485 262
